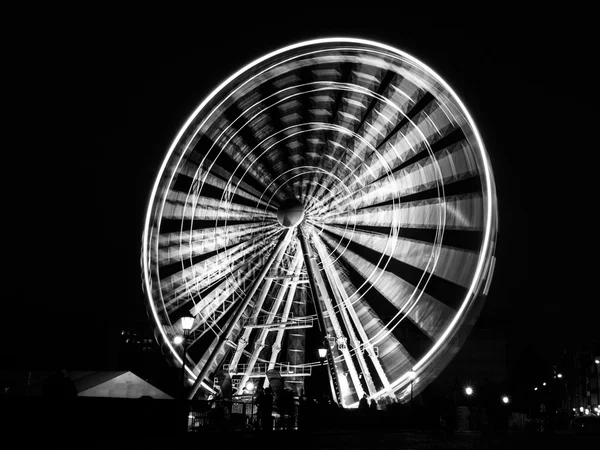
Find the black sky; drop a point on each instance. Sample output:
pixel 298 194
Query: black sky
pixel 98 102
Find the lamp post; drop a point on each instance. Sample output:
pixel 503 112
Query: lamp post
pixel 322 354
pixel 412 375
pixel 186 325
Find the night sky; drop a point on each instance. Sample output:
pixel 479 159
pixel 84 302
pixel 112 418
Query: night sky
pixel 97 105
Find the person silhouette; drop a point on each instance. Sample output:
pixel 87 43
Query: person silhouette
pixel 363 405
pixel 267 410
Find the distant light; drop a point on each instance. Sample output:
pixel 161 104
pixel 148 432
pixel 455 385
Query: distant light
pixel 505 400
pixel 544 383
pixel 469 391
pixel 575 409
pixel 597 361
pixel 535 388
pixel 581 408
pixel 587 411
pixel 559 375
pixel 250 386
pixel 177 340
pixel 412 374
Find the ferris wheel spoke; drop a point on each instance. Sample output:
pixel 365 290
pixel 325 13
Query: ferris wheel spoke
pixel 193 279
pixel 414 335
pixel 466 241
pixel 366 323
pixel 462 213
pixel 211 159
pixel 372 251
pixel 405 147
pixel 392 357
pixel 171 225
pixel 386 284
pixel 225 178
pixel 187 248
pixel 217 303
pixel 399 186
pixel 250 134
pixel 416 178
pixel 216 351
pixel 180 206
pixel 346 311
pixel 430 125
pixel 372 122
pixel 336 116
pixel 191 179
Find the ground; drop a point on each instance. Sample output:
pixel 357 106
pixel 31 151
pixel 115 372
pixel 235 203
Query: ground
pixel 329 440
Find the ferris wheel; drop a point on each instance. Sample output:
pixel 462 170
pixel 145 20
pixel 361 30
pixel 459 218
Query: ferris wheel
pixel 335 191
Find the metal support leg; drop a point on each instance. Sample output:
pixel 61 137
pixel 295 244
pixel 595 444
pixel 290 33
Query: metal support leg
pixel 285 239
pixel 315 280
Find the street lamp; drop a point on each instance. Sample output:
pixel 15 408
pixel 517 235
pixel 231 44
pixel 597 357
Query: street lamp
pixel 412 375
pixel 505 400
pixel 559 375
pixel 249 388
pixel 186 325
pixel 322 355
pixel 469 390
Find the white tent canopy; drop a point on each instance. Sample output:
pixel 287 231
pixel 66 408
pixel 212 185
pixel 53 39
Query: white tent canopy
pixel 118 384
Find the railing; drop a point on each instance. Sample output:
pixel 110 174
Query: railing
pixel 239 414
pixel 260 369
pixel 278 322
pixel 235 415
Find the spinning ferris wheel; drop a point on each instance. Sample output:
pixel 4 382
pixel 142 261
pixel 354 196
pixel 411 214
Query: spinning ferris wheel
pixel 335 191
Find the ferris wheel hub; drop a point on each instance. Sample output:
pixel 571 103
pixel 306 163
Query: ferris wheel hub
pixel 290 213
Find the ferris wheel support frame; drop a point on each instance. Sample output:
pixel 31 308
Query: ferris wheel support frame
pixel 238 313
pixel 347 358
pixel 243 341
pixel 293 285
pixel 314 281
pixel 342 301
pixel 261 340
